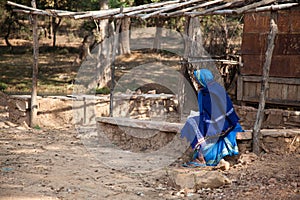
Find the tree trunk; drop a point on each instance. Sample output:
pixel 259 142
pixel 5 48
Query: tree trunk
pixel 55 26
pixel 9 22
pixel 265 85
pixel 158 34
pixel 103 50
pixel 124 36
pixel 34 103
pixel 193 48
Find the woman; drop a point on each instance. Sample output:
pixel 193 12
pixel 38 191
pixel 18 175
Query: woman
pixel 212 132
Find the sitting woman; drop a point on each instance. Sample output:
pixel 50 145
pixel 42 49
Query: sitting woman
pixel 212 132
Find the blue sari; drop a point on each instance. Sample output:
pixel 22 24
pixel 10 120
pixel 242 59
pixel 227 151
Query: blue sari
pixel 213 132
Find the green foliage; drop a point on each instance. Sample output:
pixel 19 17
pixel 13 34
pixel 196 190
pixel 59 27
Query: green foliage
pixel 104 90
pixel 120 3
pixel 88 25
pixel 3 86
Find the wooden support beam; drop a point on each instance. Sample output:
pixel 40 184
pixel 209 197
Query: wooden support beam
pixel 31 12
pixel 253 5
pixel 170 7
pixel 265 84
pixel 182 11
pixel 115 47
pixel 34 103
pixel 27 7
pixel 210 10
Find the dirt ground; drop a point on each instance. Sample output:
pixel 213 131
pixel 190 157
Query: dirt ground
pixel 54 164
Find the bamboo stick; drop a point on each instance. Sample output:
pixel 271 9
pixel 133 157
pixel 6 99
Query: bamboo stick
pixel 194 7
pixel 170 7
pixel 31 12
pixel 110 12
pixel 194 14
pixel 63 13
pixel 26 7
pixel 254 5
pixel 274 7
pixel 260 9
pixel 135 12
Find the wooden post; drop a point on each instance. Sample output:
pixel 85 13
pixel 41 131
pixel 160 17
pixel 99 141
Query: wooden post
pixel 34 104
pixel 114 49
pixel 265 85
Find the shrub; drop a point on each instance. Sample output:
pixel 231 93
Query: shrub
pixel 104 90
pixel 3 86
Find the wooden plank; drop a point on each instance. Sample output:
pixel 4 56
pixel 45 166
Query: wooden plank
pixel 277 87
pixel 291 81
pixel 258 87
pixel 284 93
pixel 239 93
pixel 275 91
pixel 293 92
pixel 250 90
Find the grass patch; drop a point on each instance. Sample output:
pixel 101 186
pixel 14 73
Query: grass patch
pixel 55 64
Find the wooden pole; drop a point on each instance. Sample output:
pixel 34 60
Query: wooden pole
pixel 115 47
pixel 265 84
pixel 34 104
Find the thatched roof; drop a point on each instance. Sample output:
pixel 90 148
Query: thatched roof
pixel 173 8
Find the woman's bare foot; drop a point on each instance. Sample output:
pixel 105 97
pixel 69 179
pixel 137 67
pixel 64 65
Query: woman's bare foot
pixel 200 159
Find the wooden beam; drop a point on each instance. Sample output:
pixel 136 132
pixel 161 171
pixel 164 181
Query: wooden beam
pixel 194 7
pixel 31 12
pixel 115 47
pixel 34 103
pixel 274 7
pixel 111 12
pixel 169 7
pixel 194 14
pixel 254 5
pixel 265 84
pixel 26 7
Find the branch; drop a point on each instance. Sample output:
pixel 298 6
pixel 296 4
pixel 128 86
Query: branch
pixel 264 85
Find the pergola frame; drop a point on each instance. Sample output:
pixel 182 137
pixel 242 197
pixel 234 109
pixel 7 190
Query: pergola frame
pixel 177 8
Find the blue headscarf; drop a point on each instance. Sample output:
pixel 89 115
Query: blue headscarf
pixel 203 76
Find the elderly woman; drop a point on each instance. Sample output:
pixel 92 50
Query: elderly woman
pixel 212 132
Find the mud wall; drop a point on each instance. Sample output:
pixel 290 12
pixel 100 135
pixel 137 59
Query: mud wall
pixel 61 111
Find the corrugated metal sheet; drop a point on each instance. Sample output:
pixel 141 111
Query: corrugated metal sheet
pixel 286 54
